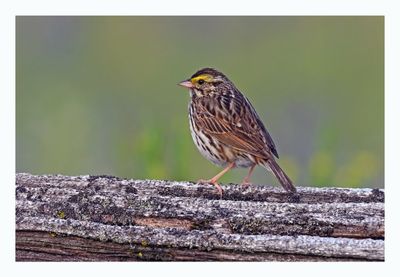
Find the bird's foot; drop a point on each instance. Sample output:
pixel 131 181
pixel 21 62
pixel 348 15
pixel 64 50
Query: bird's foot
pixel 245 185
pixel 214 182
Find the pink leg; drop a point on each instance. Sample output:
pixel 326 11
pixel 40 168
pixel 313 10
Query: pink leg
pixel 214 179
pixel 246 181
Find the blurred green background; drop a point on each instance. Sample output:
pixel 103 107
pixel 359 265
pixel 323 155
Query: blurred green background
pixel 99 95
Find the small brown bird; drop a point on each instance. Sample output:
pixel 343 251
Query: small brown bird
pixel 227 130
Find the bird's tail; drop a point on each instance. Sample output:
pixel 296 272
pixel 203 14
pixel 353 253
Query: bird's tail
pixel 285 181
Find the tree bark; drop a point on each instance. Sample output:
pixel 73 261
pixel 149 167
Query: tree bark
pixel 105 218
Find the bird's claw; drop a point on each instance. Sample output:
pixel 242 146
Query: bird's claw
pixel 213 182
pixel 245 185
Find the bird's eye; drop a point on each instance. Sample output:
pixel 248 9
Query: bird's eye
pixel 201 81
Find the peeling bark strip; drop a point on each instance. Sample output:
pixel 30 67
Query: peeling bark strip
pixel 104 218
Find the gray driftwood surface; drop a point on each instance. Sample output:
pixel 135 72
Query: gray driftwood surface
pixel 105 218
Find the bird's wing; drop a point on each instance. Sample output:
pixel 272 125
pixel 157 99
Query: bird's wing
pixel 268 139
pixel 242 129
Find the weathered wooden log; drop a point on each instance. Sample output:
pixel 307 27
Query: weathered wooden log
pixel 62 218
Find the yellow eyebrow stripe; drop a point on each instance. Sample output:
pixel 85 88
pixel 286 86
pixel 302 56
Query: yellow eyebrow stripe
pixel 205 77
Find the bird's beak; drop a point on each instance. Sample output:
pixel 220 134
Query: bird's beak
pixel 186 84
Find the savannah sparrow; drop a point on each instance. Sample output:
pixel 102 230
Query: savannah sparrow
pixel 227 130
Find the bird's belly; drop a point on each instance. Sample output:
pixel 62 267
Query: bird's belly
pixel 218 153
pixel 244 162
pixel 202 142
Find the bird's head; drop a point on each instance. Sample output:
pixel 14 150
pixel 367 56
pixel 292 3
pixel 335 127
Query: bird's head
pixel 205 82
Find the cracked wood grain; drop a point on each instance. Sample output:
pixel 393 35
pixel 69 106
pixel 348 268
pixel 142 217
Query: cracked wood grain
pixel 186 221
